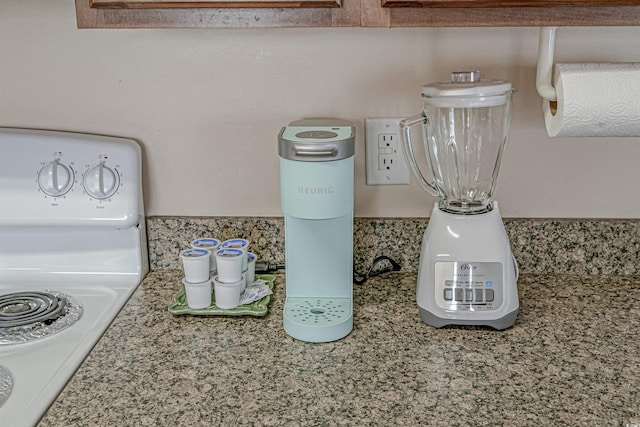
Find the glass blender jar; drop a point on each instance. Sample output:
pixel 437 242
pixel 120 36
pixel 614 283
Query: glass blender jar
pixel 467 273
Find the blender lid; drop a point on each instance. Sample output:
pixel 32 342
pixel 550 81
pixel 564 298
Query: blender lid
pixel 467 89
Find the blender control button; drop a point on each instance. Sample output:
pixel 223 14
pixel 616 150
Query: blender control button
pixel 478 295
pixel 489 295
pixel 468 294
pixel 458 294
pixel 448 294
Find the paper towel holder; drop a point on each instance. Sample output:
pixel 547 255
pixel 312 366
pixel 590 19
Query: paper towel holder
pixel 544 70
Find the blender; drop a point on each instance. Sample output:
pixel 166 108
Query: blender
pixel 467 273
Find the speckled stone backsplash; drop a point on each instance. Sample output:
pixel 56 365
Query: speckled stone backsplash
pixel 541 246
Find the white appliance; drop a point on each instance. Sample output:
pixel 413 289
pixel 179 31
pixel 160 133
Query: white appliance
pixel 467 273
pixel 71 226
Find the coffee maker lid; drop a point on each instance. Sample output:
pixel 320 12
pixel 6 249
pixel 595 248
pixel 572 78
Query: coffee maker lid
pixel 317 140
pixel 467 89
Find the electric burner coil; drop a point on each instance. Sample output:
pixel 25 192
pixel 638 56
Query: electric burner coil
pixel 30 315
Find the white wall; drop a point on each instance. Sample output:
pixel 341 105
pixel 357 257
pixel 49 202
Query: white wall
pixel 207 105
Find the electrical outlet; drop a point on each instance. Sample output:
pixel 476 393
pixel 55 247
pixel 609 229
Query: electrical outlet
pixel 385 159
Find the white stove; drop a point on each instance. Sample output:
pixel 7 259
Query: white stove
pixel 72 225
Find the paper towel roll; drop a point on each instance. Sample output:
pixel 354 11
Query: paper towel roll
pixel 595 100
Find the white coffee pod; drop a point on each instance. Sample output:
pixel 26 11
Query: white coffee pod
pixel 229 265
pixel 241 244
pixel 198 294
pixel 227 294
pixel 250 272
pixel 244 282
pixel 209 244
pixel 196 264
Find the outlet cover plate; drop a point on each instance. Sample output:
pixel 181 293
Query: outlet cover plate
pixel 385 159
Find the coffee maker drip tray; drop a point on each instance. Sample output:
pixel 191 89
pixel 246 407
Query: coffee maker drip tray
pixel 318 319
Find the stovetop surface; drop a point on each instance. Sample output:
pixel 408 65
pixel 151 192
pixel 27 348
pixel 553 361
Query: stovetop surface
pixel 41 368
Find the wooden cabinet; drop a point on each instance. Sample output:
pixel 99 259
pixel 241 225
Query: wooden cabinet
pixel 508 3
pixel 398 13
pixel 227 13
pixel 353 13
pixel 190 4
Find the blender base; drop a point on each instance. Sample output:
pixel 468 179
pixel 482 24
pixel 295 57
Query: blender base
pixel 467 273
pixel 438 322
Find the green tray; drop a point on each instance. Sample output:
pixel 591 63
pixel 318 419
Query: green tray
pixel 256 308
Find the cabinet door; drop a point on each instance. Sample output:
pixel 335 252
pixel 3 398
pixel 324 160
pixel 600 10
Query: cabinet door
pixel 217 13
pixel 509 3
pixel 190 4
pixel 499 13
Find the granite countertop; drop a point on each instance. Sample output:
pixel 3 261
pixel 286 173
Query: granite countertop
pixel 572 358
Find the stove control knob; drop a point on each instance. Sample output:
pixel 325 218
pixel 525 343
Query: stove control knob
pixel 55 178
pixel 101 182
